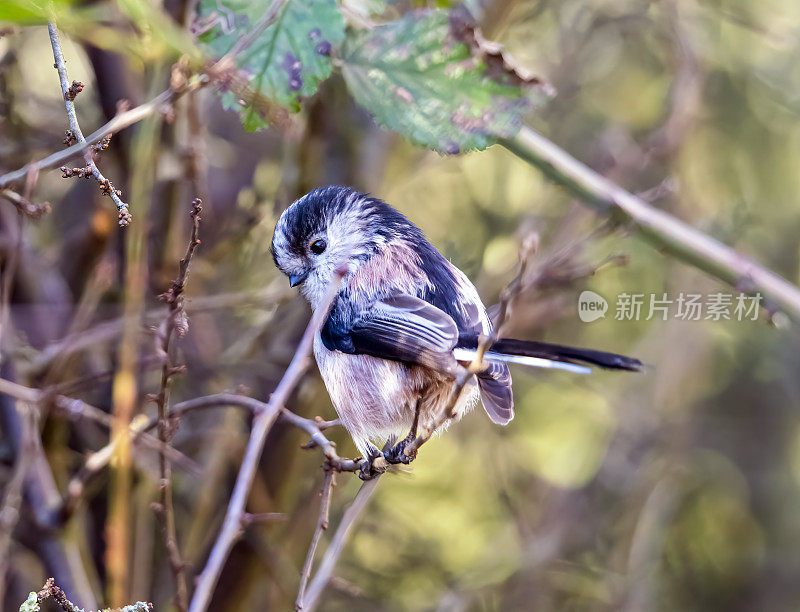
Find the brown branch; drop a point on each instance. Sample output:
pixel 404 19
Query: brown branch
pixel 231 527
pixel 74 408
pixel 121 121
pixel 507 296
pixel 51 591
pixel 322 525
pixel 69 92
pixel 24 205
pixel 326 567
pixel 175 322
pixel 217 71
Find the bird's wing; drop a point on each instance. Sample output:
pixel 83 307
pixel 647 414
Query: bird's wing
pixel 495 379
pixel 400 328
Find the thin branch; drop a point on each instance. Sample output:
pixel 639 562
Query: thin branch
pixel 507 297
pixel 657 227
pixel 74 408
pixel 175 322
pixel 325 571
pixel 25 206
pixel 51 591
pixel 69 92
pixel 322 525
pixel 121 121
pixel 231 527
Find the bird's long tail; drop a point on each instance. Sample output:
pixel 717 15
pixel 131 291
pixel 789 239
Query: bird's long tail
pixel 545 355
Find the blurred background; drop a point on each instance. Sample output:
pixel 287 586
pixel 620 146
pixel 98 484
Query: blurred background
pixel 676 489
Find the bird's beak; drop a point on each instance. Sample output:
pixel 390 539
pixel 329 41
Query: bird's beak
pixel 296 279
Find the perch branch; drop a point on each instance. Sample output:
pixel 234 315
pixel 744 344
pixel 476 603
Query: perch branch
pixel 657 227
pixel 69 92
pixel 231 527
pixel 326 567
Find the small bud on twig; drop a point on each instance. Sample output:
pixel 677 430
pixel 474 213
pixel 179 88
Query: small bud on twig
pixel 74 90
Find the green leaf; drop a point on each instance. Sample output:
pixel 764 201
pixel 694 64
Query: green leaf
pixel 287 62
pixel 433 78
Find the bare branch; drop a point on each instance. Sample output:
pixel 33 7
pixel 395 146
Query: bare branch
pixel 69 92
pixel 262 423
pixel 655 226
pixel 175 322
pixel 485 341
pixel 118 123
pixel 325 571
pixel 322 525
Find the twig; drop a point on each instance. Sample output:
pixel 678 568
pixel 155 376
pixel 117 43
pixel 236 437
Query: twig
pixel 75 408
pixel 24 205
pixel 262 423
pixel 51 591
pixel 261 517
pixel 655 226
pixel 351 515
pixel 512 290
pixel 116 124
pixel 322 525
pixel 175 322
pixel 69 93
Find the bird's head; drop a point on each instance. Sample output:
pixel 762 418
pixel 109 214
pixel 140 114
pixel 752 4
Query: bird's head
pixel 331 226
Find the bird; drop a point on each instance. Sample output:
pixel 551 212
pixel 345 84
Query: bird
pixel 403 320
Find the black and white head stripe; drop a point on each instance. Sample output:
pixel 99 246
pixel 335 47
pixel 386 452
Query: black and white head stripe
pixel 365 222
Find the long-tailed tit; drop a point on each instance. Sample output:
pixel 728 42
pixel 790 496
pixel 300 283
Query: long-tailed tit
pixel 403 319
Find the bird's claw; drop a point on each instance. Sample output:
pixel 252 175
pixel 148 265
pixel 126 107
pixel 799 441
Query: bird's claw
pixel 397 453
pixel 373 465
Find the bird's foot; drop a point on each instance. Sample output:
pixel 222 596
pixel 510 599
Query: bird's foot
pixel 373 465
pixel 397 453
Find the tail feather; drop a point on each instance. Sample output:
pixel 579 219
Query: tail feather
pixel 553 353
pixel 496 395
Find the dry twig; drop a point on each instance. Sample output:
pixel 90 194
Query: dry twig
pixel 175 322
pixel 69 92
pixel 322 525
pixel 465 374
pixel 51 591
pixel 231 527
pixel 326 567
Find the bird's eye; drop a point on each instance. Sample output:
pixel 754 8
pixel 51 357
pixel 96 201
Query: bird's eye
pixel 318 246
